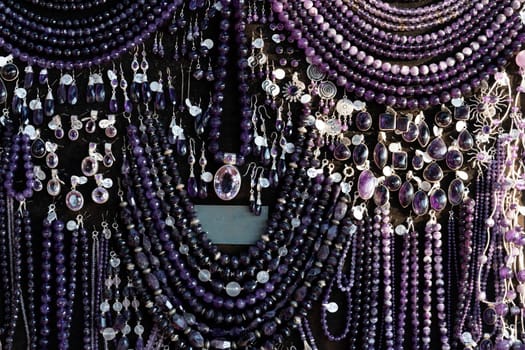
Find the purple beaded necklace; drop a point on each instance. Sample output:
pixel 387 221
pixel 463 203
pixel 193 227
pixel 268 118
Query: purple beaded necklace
pixel 326 47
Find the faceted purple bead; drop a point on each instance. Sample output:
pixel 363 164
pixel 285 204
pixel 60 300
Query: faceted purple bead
pixel 193 190
pixel 433 172
pixel 196 339
pixel 465 140
pixel 438 200
pixel 437 149
pixel 90 93
pixel 342 152
pixel 424 134
pixel 381 195
pixel 340 210
pixel 38 116
pixel 128 106
pixel 49 105
pixel 178 322
pixel 420 203
pixel 139 345
pixel 406 194
pixel 360 154
pixel 363 121
pixel 456 190
pixel 380 155
pixel 366 184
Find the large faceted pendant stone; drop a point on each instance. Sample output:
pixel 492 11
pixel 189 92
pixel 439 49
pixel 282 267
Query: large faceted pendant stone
pixel 420 203
pixel 366 184
pixel 74 200
pixel 227 182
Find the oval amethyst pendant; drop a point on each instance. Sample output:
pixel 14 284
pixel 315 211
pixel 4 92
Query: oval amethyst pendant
pixel 366 184
pixel 438 200
pixel 455 191
pixel 406 194
pixel 227 182
pixel 74 200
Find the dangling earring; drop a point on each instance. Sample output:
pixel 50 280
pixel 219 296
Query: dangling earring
pixel 28 77
pixel 172 93
pixel 113 81
pixel 100 91
pixel 135 90
pixel 75 199
pixel 52 157
pixel 40 176
pixel 206 177
pixel 109 126
pixel 76 125
pixel 100 194
pixel 109 158
pixel 89 164
pixel 54 185
pixel 49 103
pixel 160 47
pixel 56 125
pixel 158 89
pixel 91 122
pixel 144 65
pixel 193 189
pixel 38 146
pixel 128 106
pixel 65 80
pixel 72 92
pixel 38 114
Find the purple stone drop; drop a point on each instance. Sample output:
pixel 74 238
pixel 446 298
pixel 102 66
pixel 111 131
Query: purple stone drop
pixel 412 132
pixel 438 200
pixel 182 148
pixel 456 190
pixel 465 140
pixel 113 106
pixel 381 195
pixel 128 106
pixel 28 80
pixel 437 149
pixel 406 194
pixel 380 155
pixel 340 210
pixel 38 148
pixel 443 119
pixel 433 172
pixel 172 93
pixel 203 189
pixel 424 134
pixel 38 116
pixel 393 182
pixel 418 162
pixel 342 152
pixel 123 344
pixel 193 190
pixel 227 182
pixel 72 94
pixel 49 105
pixel 160 101
pixel 454 159
pixel 3 92
pixel 420 203
pixel 61 94
pixel 179 323
pixel 360 154
pixel 100 93
pixel 139 345
pixel 363 121
pixel 366 184
pixel 135 92
pixel 146 93
pixel 42 77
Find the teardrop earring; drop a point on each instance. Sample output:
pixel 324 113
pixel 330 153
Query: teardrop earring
pixel 100 194
pixel 52 157
pixel 113 81
pixel 56 125
pixel 76 126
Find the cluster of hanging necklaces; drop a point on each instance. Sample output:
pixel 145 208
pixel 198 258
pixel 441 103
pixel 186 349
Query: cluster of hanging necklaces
pixel 386 138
